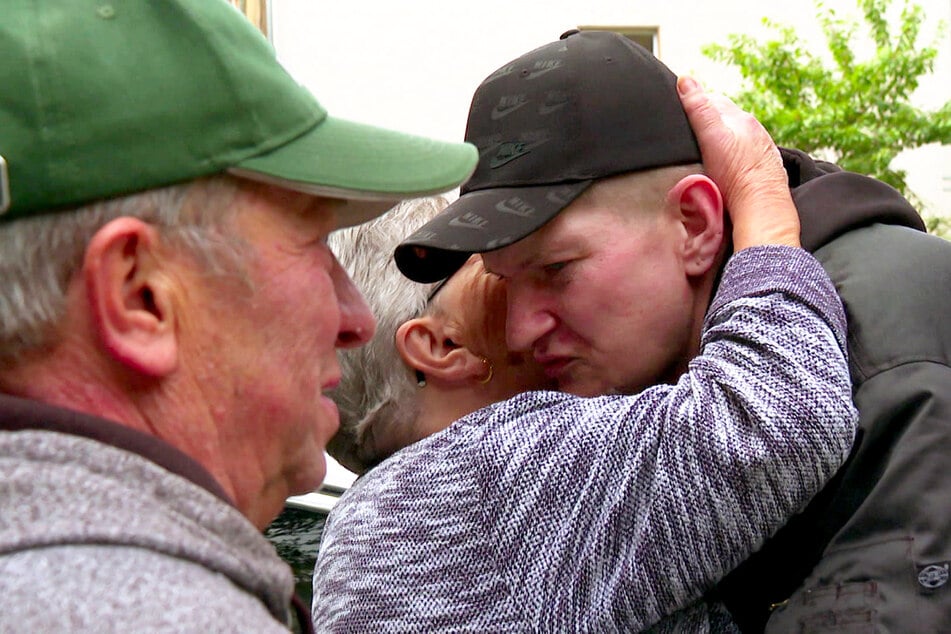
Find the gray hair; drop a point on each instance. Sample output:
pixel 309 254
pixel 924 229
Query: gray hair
pixel 40 255
pixel 377 392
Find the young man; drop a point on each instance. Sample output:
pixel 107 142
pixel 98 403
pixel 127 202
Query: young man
pixel 170 309
pixel 590 199
pixel 553 513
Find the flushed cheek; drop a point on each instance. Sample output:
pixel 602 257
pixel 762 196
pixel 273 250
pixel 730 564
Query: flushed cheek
pixel 590 323
pixel 304 317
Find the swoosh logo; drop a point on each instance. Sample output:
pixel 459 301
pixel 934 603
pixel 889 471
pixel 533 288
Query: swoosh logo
pixel 500 111
pixel 544 67
pixel 496 243
pixel 508 152
pixel 467 223
pixel 559 196
pixel 515 206
pixel 502 72
pixel 545 109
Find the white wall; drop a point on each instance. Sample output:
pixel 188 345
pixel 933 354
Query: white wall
pixel 413 65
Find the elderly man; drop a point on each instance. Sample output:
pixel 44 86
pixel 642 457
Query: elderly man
pixel 590 199
pixel 170 309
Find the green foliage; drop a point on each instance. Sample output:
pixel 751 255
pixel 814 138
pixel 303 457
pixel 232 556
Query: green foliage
pixel 939 226
pixel 855 112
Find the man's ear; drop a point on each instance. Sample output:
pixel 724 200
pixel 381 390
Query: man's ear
pixel 130 298
pixel 425 345
pixel 700 206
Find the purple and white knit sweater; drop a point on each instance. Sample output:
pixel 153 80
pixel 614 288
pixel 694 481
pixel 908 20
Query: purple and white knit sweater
pixel 552 513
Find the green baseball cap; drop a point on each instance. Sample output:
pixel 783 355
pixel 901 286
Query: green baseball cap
pixel 108 97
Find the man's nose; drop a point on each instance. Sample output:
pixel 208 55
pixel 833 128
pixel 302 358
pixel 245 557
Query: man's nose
pixel 528 317
pixel 357 323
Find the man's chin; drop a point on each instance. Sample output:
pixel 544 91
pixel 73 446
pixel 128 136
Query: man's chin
pixel 309 480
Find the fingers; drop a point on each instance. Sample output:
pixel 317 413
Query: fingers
pixel 730 138
pixel 701 111
pixel 741 158
pixel 707 110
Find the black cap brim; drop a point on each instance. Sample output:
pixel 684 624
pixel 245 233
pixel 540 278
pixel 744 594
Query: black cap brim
pixel 480 221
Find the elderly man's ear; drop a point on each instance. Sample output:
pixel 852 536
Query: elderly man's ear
pixel 129 297
pixel 699 207
pixel 426 344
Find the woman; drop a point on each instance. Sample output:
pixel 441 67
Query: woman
pixel 438 353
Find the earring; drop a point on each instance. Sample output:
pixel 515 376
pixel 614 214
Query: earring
pixel 420 379
pixel 488 377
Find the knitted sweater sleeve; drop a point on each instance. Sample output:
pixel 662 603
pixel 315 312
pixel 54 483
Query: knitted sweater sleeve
pixel 611 513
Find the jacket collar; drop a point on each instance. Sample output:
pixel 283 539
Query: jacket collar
pixel 17 414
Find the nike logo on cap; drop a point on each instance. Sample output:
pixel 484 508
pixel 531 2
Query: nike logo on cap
pixel 496 243
pixel 543 109
pixel 559 195
pixel 515 206
pixel 469 220
pixel 507 105
pixel 554 100
pixel 544 66
pixel 512 150
pixel 502 72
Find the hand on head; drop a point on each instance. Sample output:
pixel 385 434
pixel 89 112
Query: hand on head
pixel 740 156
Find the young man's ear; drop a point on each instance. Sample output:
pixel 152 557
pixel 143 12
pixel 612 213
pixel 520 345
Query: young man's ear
pixel 129 297
pixel 426 345
pixel 700 207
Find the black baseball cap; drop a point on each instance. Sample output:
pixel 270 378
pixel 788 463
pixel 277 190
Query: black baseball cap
pixel 590 105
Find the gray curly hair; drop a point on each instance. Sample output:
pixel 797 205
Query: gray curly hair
pixel 377 391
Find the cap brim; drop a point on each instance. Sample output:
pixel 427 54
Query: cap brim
pixel 480 221
pixel 370 167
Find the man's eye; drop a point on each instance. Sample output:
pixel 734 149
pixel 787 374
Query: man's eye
pixel 554 267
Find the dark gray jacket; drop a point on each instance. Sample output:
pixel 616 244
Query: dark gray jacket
pixel 871 553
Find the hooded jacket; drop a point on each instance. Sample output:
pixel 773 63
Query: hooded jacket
pixel 105 529
pixel 871 552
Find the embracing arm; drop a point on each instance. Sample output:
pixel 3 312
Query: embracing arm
pixel 743 446
pixel 622 509
pixel 616 511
